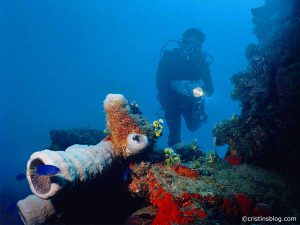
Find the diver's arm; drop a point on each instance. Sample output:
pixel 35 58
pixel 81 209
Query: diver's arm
pixel 208 86
pixel 164 73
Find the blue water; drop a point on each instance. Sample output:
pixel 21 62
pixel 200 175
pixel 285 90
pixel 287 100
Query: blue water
pixel 59 59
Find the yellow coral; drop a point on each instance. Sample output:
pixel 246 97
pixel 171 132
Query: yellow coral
pixel 158 127
pixel 158 133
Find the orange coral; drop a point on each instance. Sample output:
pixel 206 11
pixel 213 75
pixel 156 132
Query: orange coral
pixel 120 124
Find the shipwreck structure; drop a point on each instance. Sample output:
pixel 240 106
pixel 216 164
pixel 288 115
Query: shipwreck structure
pixel 266 132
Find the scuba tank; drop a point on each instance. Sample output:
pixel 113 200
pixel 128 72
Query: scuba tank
pixel 209 57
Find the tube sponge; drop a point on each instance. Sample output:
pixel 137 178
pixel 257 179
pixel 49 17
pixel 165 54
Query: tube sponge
pixel 77 164
pixel 136 143
pixel 125 134
pixel 84 163
pixel 115 100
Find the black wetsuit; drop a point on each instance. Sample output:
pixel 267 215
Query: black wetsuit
pixel 174 65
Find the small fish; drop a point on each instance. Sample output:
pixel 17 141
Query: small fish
pixel 21 176
pixel 44 170
pixel 40 170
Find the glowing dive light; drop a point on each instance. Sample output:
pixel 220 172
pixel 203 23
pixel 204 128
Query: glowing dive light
pixel 198 92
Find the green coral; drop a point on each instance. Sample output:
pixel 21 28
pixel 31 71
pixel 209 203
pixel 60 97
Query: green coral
pixel 195 145
pixel 211 157
pixel 172 158
pixel 196 163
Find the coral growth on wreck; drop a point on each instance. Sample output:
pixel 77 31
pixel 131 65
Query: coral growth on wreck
pixel 266 131
pixel 171 209
pixel 211 194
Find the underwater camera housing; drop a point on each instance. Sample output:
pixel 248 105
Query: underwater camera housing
pixel 189 88
pixel 194 91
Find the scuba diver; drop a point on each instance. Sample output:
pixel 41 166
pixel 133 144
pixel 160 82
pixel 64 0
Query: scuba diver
pixel 183 80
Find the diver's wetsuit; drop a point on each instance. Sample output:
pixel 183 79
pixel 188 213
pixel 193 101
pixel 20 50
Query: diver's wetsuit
pixel 174 65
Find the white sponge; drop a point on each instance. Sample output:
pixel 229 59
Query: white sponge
pixel 136 143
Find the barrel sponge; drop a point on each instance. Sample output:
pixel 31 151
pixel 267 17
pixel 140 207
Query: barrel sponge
pixel 120 124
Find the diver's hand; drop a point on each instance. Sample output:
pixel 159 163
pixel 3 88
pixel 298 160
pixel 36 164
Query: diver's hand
pixel 182 87
pixel 188 88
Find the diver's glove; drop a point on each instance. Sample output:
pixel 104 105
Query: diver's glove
pixel 188 88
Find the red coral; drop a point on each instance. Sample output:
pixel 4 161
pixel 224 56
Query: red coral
pixel 197 196
pixel 186 196
pixel 188 207
pixel 168 211
pixel 188 213
pixel 185 171
pixel 133 186
pixel 242 204
pixel 200 213
pixel 229 207
pixel 245 203
pixel 234 160
pixel 171 210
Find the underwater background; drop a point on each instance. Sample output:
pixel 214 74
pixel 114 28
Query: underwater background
pixel 59 59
